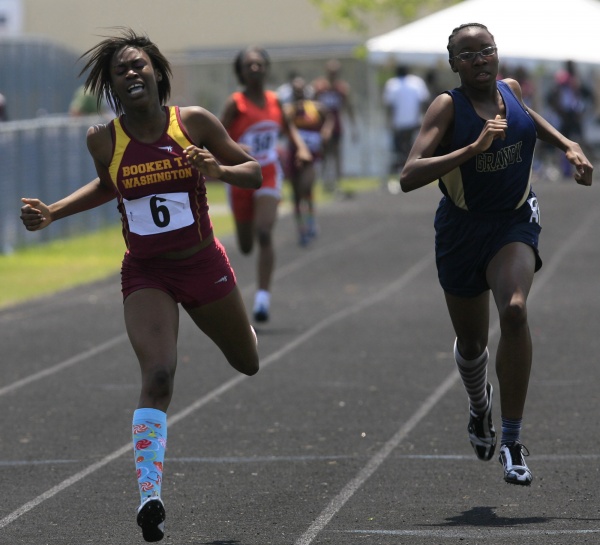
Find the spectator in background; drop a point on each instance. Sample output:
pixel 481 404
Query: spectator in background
pixel 3 113
pixel 405 97
pixel 433 84
pixel 83 103
pixel 569 99
pixel 527 86
pixel 334 93
pixel 285 91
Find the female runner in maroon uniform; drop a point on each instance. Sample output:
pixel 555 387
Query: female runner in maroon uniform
pixel 153 159
pixel 315 123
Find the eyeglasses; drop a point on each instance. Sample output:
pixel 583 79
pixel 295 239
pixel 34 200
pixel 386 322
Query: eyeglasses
pixel 470 55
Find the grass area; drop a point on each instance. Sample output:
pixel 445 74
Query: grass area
pixel 47 268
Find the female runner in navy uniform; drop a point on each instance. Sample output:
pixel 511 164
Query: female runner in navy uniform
pixel 153 159
pixel 478 141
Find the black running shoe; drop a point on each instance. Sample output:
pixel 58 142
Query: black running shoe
pixel 481 431
pixel 512 458
pixel 151 519
pixel 261 313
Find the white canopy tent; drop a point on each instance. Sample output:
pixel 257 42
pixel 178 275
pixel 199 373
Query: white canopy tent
pixel 527 32
pixel 539 35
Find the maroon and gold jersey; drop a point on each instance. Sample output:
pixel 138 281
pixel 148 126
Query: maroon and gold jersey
pixel 308 119
pixel 162 199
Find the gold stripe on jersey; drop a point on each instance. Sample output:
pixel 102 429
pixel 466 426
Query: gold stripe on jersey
pixel 121 143
pixel 176 133
pixel 527 190
pixel 174 130
pixel 454 186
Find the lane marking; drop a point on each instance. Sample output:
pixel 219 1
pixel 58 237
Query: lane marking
pixel 348 491
pixel 400 283
pixel 486 532
pixel 286 270
pixel 78 358
pixel 409 275
pixel 257 459
pixel 336 504
pixel 308 458
pixel 373 464
pixel 25 508
pixel 14 463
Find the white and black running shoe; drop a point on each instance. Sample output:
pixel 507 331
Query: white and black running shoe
pixel 151 519
pixel 512 458
pixel 481 430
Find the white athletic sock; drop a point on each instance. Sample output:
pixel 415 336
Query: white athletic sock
pixel 262 299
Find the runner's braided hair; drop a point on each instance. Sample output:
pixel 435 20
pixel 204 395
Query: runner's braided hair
pixel 457 30
pixel 98 61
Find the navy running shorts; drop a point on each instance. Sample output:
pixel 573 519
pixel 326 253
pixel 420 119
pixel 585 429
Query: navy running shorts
pixel 465 243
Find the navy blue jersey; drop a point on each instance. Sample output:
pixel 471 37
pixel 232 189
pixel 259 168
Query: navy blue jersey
pixel 499 179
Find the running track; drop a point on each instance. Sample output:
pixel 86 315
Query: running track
pixel 354 430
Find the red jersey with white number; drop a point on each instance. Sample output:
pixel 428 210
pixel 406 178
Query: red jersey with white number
pixel 256 127
pixel 162 199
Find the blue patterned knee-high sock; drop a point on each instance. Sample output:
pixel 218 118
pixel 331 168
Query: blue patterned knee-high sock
pixel 149 431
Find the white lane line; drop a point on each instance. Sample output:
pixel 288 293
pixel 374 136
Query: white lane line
pixel 400 283
pixel 373 464
pixel 336 504
pixel 78 358
pixel 538 457
pixel 318 252
pixel 303 459
pixel 25 508
pixel 257 459
pixel 485 533
pixel 412 272
pixel 319 458
pixel 14 463
pixel 280 273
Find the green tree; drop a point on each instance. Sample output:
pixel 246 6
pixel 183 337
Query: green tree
pixel 354 14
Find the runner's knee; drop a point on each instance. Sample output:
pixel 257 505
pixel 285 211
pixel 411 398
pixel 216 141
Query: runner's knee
pixel 264 237
pixel 514 314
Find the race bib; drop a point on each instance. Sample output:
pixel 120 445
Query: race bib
pixel 312 139
pixel 261 138
pixel 158 213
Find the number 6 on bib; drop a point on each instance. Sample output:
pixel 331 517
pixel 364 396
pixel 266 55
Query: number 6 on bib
pixel 158 213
